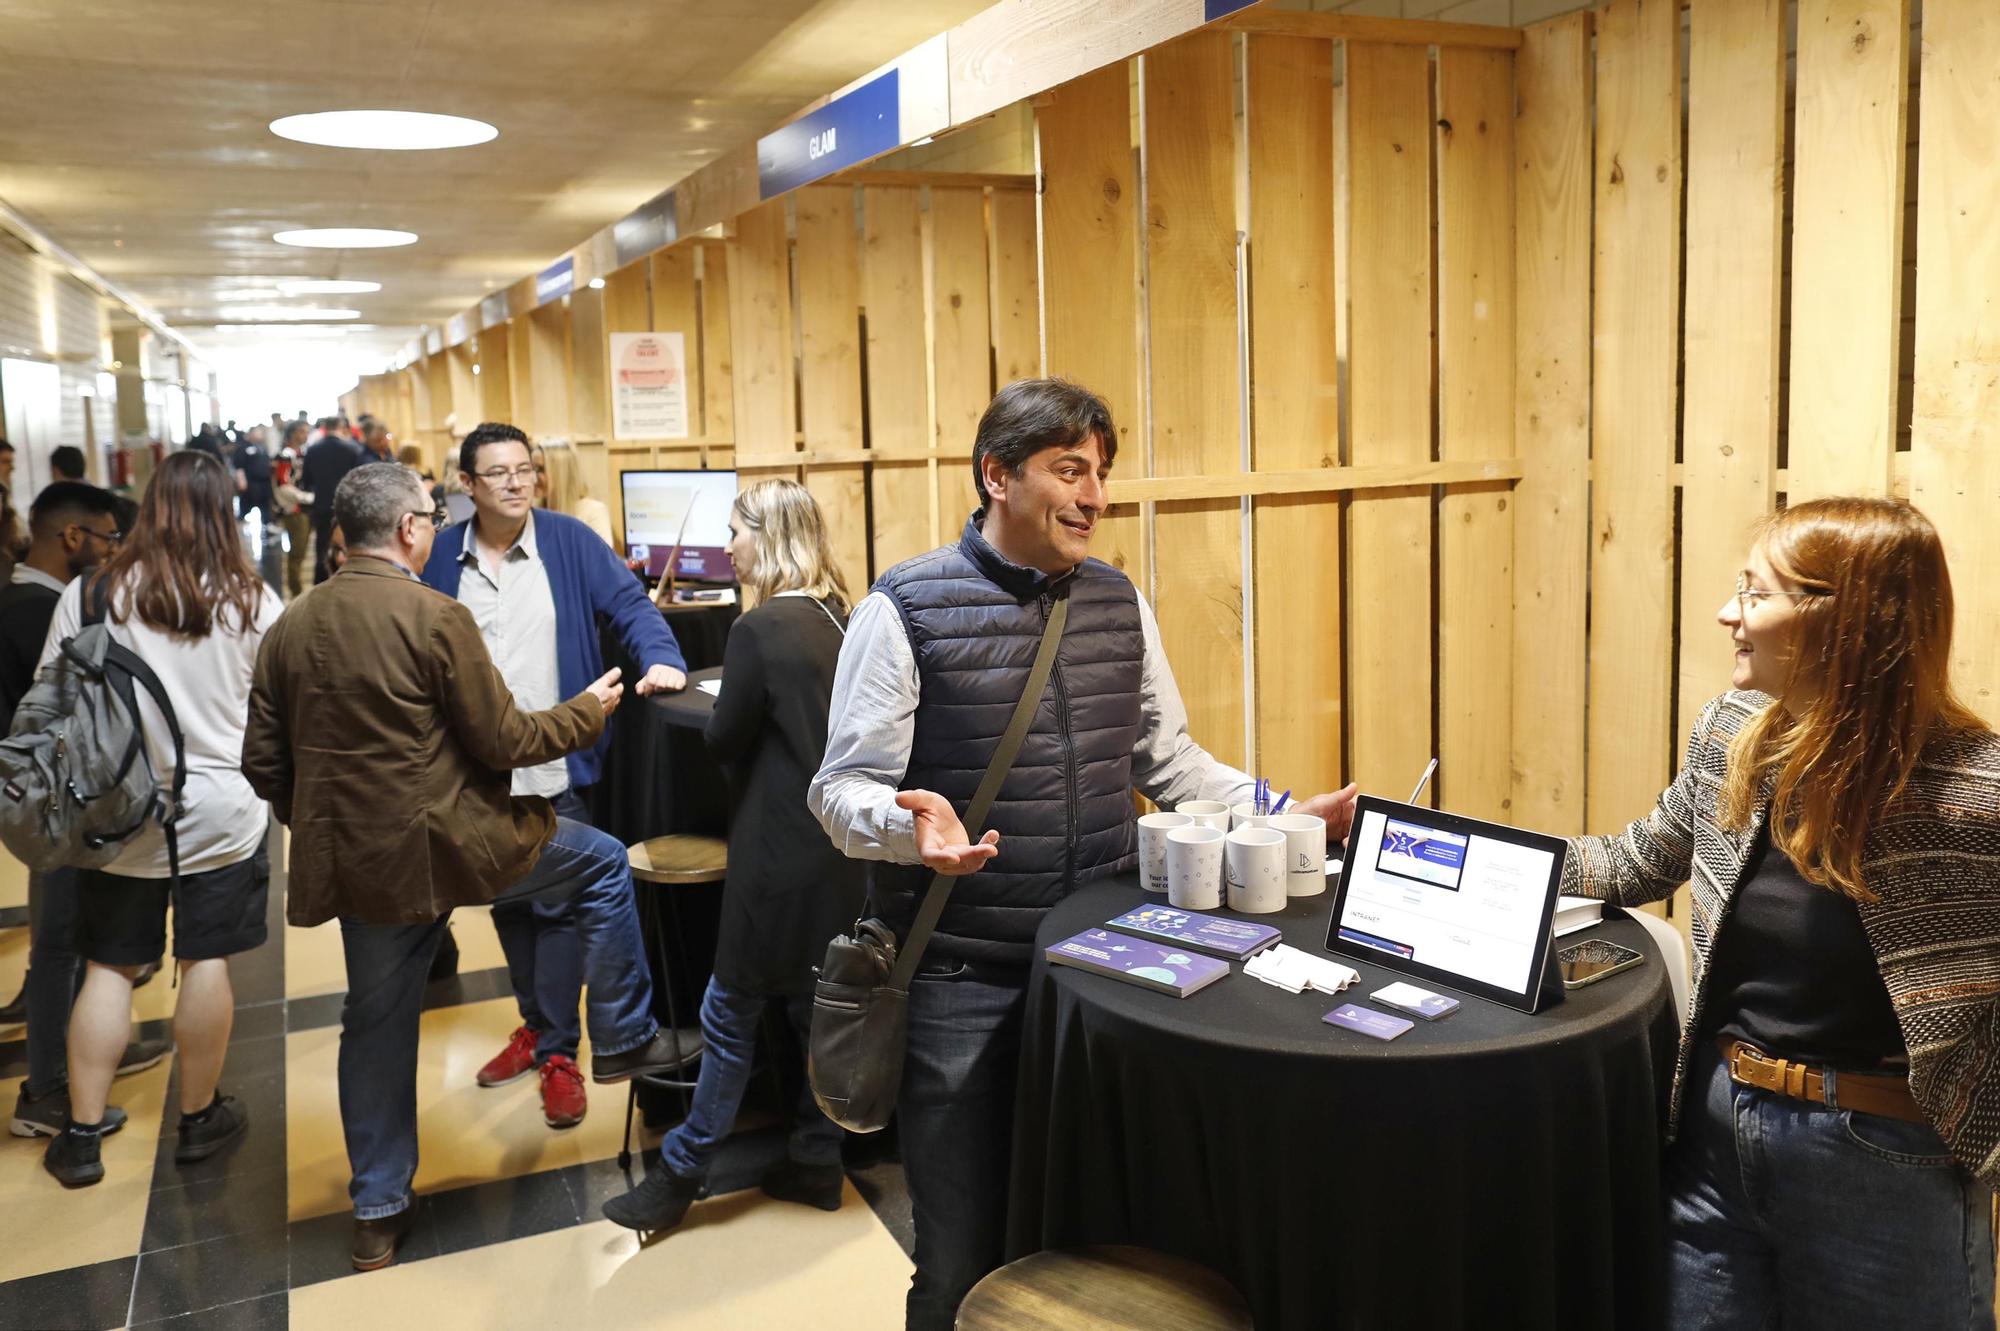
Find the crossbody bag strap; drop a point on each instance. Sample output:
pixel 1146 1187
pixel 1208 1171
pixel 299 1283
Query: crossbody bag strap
pixel 989 788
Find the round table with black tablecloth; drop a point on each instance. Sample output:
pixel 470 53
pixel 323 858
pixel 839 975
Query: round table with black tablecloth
pixel 1494 1168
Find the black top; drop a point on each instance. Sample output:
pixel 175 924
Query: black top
pixel 255 465
pixel 789 890
pixel 1794 973
pixel 26 610
pixel 325 463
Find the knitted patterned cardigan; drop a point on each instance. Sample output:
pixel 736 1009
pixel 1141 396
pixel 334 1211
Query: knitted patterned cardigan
pixel 1933 860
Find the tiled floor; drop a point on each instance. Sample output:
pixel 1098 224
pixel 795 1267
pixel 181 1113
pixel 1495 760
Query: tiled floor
pixel 510 1233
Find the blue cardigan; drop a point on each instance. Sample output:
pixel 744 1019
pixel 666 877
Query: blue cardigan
pixel 586 580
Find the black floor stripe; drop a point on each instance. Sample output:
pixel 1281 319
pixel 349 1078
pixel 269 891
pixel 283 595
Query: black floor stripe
pixel 83 1296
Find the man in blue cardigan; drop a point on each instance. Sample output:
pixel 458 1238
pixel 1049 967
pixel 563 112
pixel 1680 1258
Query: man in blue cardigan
pixel 537 582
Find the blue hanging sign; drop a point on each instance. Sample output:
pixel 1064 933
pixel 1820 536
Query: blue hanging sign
pixel 493 310
pixel 1211 10
pixel 653 225
pixel 458 329
pixel 864 123
pixel 558 279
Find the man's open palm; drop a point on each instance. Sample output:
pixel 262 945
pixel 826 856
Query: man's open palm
pixel 941 837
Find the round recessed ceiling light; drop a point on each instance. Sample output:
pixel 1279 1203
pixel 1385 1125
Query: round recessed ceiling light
pixel 327 287
pixel 395 130
pixel 345 238
pixel 288 314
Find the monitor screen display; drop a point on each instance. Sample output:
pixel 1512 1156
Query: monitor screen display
pixel 688 509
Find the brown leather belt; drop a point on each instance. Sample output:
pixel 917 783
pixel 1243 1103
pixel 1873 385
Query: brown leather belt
pixel 1887 1096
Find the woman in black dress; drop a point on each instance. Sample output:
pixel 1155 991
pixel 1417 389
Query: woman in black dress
pixel 788 891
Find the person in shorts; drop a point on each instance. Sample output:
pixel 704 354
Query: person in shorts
pixel 180 593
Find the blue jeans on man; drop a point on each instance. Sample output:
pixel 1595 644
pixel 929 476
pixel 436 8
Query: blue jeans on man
pixel 544 958
pixel 387 965
pixel 955 1116
pixel 729 1020
pixel 1781 1211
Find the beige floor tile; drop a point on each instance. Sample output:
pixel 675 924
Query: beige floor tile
pixel 737 1263
pixel 46 1227
pixel 465 1134
pixel 13 881
pixel 314 964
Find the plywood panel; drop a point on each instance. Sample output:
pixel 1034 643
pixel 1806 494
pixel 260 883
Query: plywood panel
pixel 1196 411
pixel 627 307
pixel 1475 169
pixel 1847 244
pixel 1090 274
pixel 675 303
pixel 1017 332
pixel 589 372
pixel 960 317
pixel 1735 253
pixel 521 372
pixel 465 406
pixel 899 410
pixel 548 345
pixel 842 492
pixel 717 354
pixel 1552 80
pixel 760 321
pixel 829 314
pixel 495 393
pixel 1389 280
pixel 1955 434
pixel 1634 335
pixel 1294 411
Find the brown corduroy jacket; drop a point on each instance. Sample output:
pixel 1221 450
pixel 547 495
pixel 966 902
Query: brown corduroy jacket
pixel 385 738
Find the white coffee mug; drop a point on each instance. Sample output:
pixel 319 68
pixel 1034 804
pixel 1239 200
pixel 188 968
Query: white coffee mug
pixel 1255 861
pixel 1305 852
pixel 1246 815
pixel 1194 867
pixel 1153 829
pixel 1206 813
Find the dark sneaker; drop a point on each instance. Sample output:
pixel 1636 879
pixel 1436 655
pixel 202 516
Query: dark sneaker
pixel 226 1120
pixel 15 1012
pixel 376 1241
pixel 656 1055
pixel 514 1062
pixel 143 1054
pixel 809 1185
pixel 659 1202
pixel 73 1157
pixel 46 1115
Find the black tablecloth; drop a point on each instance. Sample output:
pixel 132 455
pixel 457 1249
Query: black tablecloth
pixel 1491 1169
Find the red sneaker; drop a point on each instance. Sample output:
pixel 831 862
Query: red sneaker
pixel 514 1062
pixel 563 1102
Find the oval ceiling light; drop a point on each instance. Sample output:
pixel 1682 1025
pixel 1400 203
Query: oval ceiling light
pixel 287 314
pixel 400 131
pixel 345 238
pixel 327 287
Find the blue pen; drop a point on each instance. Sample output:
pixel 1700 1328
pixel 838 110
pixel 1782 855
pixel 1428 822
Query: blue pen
pixel 1283 800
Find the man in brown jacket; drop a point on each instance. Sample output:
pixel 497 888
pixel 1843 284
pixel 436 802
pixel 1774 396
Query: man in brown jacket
pixel 383 736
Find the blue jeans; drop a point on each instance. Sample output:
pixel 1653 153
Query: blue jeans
pixel 1785 1213
pixel 54 969
pixel 956 1119
pixel 544 958
pixel 387 965
pixel 729 1020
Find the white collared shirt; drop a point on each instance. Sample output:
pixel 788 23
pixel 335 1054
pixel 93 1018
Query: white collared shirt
pixel 34 577
pixel 515 608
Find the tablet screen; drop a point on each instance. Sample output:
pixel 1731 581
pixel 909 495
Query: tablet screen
pixel 1450 898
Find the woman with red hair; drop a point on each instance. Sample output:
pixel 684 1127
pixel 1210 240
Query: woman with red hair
pixel 1836 1103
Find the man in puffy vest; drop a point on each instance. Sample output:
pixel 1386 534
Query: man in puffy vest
pixel 935 658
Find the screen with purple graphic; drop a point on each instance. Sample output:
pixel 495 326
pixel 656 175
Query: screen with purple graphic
pixel 1423 853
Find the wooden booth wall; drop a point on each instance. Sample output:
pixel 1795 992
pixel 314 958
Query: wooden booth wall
pixel 1795 299
pixel 871 320
pixel 1286 260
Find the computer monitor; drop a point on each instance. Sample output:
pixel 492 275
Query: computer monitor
pixel 688 509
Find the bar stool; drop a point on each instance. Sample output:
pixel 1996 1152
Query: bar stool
pixel 1104 1289
pixel 670 862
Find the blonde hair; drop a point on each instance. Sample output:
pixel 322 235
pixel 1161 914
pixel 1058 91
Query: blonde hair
pixel 411 455
pixel 566 488
pixel 789 543
pixel 1874 648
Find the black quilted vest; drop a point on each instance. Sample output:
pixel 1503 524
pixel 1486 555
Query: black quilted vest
pixel 1064 813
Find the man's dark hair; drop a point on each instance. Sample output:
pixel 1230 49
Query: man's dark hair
pixel 1030 415
pixel 63 502
pixel 5 447
pixel 67 462
pixel 487 432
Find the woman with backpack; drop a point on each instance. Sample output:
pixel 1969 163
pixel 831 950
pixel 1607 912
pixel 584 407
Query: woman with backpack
pixel 180 594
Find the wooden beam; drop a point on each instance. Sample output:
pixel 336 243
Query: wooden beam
pixel 1377 31
pixel 1018 48
pixel 863 175
pixel 1315 480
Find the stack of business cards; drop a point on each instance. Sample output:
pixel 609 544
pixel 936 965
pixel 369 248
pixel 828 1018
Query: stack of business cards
pixel 1380 1025
pixel 1405 997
